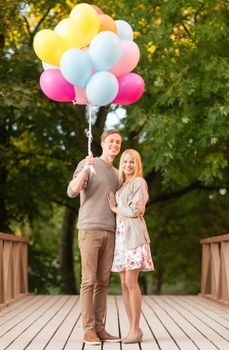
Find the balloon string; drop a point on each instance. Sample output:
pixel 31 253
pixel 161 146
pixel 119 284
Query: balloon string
pixel 89 134
pixel 90 137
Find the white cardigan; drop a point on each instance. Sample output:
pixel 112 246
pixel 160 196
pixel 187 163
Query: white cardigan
pixel 134 197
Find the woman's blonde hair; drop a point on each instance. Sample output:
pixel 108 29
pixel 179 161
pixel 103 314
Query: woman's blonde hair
pixel 137 164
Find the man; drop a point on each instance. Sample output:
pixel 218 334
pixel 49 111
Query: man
pixel 96 225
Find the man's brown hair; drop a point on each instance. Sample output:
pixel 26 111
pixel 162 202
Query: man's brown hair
pixel 109 132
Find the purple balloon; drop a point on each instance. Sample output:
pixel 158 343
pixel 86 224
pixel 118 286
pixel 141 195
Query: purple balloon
pixel 131 88
pixel 55 87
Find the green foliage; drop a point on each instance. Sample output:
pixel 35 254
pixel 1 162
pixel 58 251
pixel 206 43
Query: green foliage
pixel 44 275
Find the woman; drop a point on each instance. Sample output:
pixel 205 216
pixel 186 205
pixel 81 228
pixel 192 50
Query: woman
pixel 132 249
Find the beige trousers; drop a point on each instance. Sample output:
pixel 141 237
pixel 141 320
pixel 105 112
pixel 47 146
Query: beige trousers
pixel 97 251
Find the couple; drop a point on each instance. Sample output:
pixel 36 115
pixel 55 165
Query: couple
pixel 107 243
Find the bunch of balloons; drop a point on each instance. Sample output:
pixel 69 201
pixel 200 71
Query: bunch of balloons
pixel 88 58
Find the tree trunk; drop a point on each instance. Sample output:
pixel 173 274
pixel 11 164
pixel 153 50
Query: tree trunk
pixel 4 223
pixel 68 285
pixel 143 284
pixel 4 145
pixel 159 277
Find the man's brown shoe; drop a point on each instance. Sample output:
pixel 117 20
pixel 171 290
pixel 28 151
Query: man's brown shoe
pixel 91 338
pixel 104 336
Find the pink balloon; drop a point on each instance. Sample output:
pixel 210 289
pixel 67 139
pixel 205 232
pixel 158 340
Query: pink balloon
pixel 97 9
pixel 80 96
pixel 129 58
pixel 131 88
pixel 55 87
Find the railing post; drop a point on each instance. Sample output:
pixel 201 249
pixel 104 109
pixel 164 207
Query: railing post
pixel 215 268
pixel 13 268
pixel 205 276
pixel 224 276
pixel 2 289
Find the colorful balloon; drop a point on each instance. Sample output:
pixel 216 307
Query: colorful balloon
pixel 105 50
pixel 48 46
pixel 76 67
pixel 66 30
pixel 131 88
pixel 88 58
pixel 107 23
pixel 124 30
pixel 85 21
pixel 80 96
pixel 55 87
pixel 97 9
pixel 128 60
pixel 102 88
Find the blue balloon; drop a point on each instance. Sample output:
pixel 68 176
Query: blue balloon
pixel 105 50
pixel 76 67
pixel 102 88
pixel 124 30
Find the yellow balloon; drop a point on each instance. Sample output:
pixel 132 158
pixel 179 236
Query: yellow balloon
pixel 48 46
pixel 66 30
pixel 85 21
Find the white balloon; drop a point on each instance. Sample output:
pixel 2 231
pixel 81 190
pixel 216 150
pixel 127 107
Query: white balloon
pixel 102 88
pixel 105 50
pixel 124 30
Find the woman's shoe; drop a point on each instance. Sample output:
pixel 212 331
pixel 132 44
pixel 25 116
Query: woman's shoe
pixel 137 339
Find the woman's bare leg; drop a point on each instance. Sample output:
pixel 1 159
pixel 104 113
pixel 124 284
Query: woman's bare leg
pixel 135 301
pixel 125 295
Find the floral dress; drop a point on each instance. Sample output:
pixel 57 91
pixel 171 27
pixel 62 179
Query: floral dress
pixel 135 258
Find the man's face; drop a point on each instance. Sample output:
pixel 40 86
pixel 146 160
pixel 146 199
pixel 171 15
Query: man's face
pixel 111 145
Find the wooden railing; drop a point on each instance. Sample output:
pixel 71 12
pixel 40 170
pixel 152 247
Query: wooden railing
pixel 13 268
pixel 215 268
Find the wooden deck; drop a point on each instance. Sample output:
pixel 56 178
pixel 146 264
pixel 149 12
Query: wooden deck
pixel 168 323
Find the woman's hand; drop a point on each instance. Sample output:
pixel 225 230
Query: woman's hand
pixel 141 212
pixel 112 201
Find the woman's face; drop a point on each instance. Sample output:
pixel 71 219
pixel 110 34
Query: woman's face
pixel 128 165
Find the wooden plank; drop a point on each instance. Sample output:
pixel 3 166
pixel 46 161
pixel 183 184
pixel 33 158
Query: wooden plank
pixel 32 317
pixel 205 270
pixel 7 310
pixel 215 239
pixel 159 331
pixel 9 237
pixel 47 325
pixel 215 269
pixel 10 323
pixel 210 313
pixel 217 308
pixel 112 323
pixel 168 323
pixel 191 332
pixel 18 307
pixel 2 289
pixel 204 317
pixel 211 341
pixel 24 269
pixel 62 334
pixel 176 325
pixel 224 273
pixel 8 270
pixel 75 340
pixel 146 327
